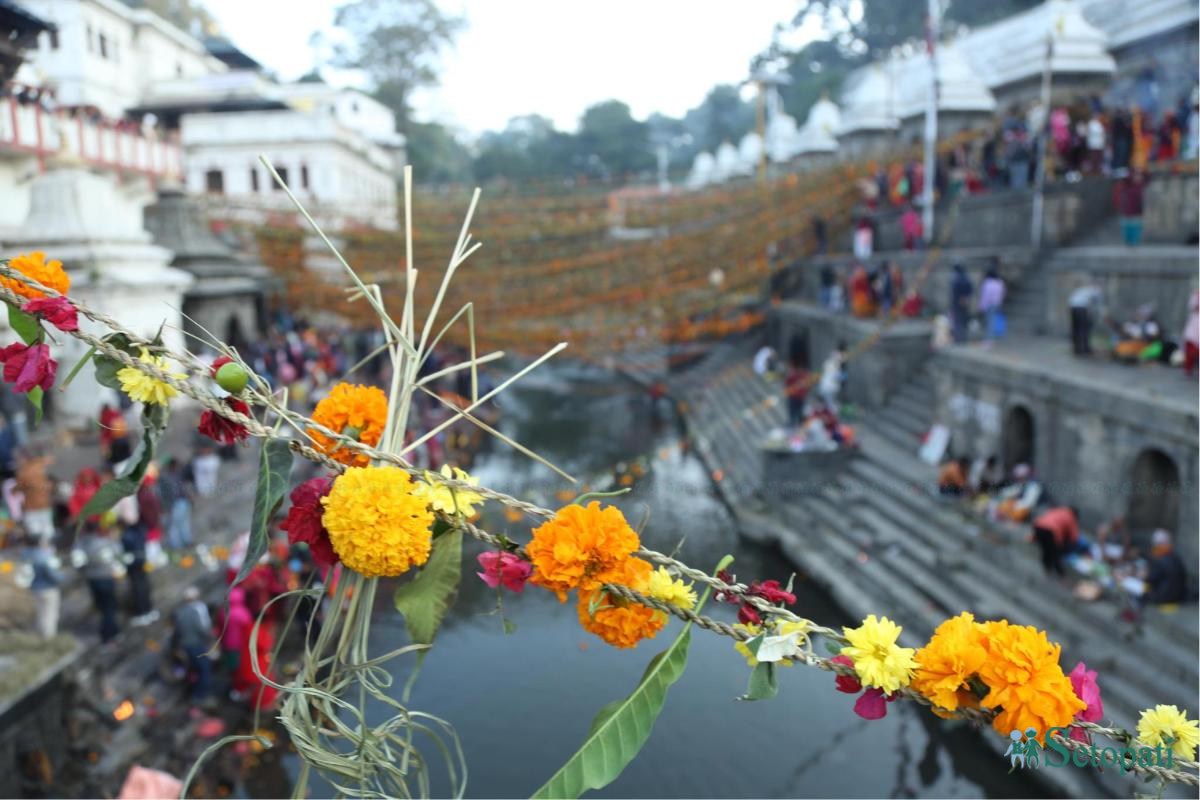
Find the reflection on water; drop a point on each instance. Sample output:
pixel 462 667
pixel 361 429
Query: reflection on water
pixel 522 703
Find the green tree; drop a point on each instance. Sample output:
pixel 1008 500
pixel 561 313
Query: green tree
pixel 436 155
pixel 187 15
pixel 613 141
pixel 722 117
pixel 396 43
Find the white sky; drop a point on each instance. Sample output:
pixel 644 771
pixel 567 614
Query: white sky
pixel 553 57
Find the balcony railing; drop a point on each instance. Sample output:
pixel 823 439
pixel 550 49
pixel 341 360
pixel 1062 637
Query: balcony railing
pixel 27 128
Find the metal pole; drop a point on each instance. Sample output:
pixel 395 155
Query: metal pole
pixel 1039 181
pixel 931 109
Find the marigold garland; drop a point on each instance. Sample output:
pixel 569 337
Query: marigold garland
pixel 143 388
pixel 1025 680
pixel 878 660
pixel 450 500
pixel 945 665
pixel 35 266
pixel 359 412
pixel 617 621
pixel 377 524
pixel 579 547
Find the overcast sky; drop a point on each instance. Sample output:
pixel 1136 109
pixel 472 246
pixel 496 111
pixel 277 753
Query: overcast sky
pixel 553 57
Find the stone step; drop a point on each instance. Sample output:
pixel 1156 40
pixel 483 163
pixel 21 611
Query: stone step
pixel 1064 618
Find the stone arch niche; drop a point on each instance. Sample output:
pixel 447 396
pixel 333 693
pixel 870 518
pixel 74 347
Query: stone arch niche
pixel 234 335
pixel 1153 492
pixel 1018 442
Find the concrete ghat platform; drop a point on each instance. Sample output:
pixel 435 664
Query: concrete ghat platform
pixel 879 542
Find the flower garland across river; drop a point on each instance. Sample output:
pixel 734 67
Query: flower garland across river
pixel 380 517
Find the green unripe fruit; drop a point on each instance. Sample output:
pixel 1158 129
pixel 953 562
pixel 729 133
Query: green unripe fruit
pixel 232 377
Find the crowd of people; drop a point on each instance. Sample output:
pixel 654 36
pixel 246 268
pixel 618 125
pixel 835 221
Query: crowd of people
pixel 813 399
pixel 1108 561
pixel 1139 339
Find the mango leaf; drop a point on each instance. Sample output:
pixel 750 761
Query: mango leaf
pixel 26 325
pixel 154 423
pixel 35 396
pixel 622 727
pixel 764 683
pixel 425 600
pixel 274 472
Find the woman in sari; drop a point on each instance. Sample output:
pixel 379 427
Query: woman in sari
pixel 862 300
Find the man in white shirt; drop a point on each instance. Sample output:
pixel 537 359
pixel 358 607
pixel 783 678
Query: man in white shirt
pixel 1081 301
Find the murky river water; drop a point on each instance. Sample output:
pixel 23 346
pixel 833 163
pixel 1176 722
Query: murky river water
pixel 523 702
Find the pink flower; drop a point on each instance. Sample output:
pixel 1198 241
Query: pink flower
pixel 748 615
pixel 303 522
pixel 846 683
pixel 872 704
pixel 28 366
pixel 501 567
pixel 58 311
pixel 1083 681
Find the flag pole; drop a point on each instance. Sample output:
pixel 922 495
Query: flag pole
pixel 932 25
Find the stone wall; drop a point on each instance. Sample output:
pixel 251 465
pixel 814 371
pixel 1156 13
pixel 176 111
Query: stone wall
pixel 1155 71
pixel 1171 215
pixel 875 375
pixel 1164 276
pixel 1085 440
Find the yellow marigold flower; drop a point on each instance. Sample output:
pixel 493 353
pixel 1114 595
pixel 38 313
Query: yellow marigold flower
pixel 1162 724
pixel 446 499
pixel 878 660
pixel 796 631
pixel 617 621
pixel 953 655
pixel 579 546
pixel 359 412
pixel 34 265
pixel 145 389
pixel 664 586
pixel 377 523
pixel 1025 681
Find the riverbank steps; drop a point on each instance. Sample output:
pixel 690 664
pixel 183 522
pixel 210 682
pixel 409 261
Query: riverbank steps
pixel 879 539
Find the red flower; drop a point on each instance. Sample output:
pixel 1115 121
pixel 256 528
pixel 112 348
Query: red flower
pixel 58 311
pixel 504 568
pixel 771 592
pixel 873 704
pixel 747 615
pixel 846 683
pixel 28 366
pixel 220 429
pixel 220 362
pixel 303 522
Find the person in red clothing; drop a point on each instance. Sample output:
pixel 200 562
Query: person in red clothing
pixel 1056 533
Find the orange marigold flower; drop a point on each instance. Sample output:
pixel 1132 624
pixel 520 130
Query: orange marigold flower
pixel 954 654
pixel 1025 681
pixel 579 546
pixel 617 621
pixel 34 265
pixel 359 412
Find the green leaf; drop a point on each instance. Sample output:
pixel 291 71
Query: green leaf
pixel 509 625
pixel 274 472
pixel 78 366
pixel 154 423
pixel 764 683
pixel 107 368
pixel 833 648
pixel 425 600
pixel 26 325
pixel 756 643
pixel 622 727
pixel 35 398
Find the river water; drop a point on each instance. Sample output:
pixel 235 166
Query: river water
pixel 522 702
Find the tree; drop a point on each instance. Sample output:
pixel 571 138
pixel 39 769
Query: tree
pixel 610 137
pixel 396 43
pixel 722 117
pixel 436 155
pixel 186 15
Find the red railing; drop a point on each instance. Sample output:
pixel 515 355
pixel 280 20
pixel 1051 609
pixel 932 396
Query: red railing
pixel 26 127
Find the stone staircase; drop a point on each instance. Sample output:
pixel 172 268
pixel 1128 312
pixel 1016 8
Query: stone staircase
pixel 879 539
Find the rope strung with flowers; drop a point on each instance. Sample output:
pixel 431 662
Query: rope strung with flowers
pixel 378 516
